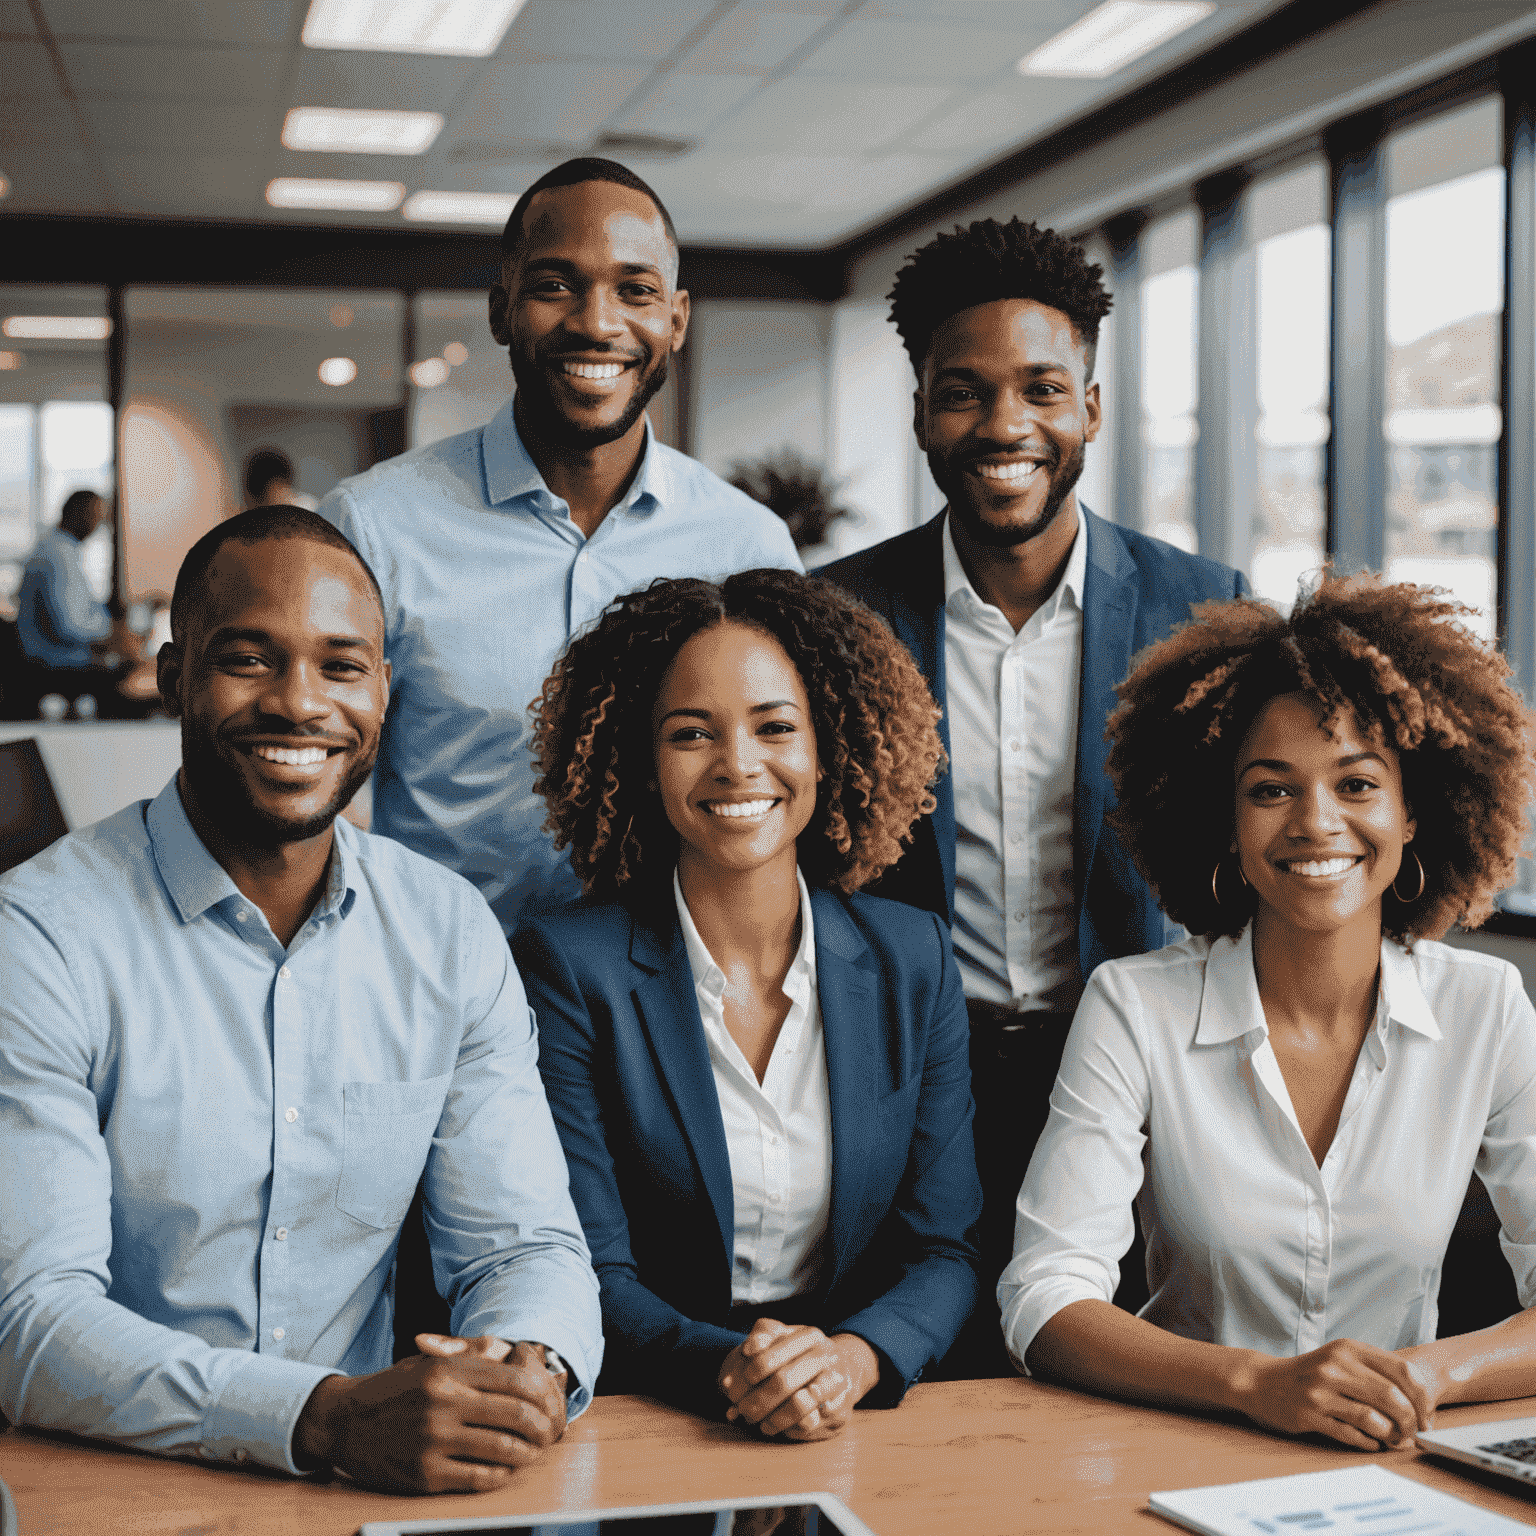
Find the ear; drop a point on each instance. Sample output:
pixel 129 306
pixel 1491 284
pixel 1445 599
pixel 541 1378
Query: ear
pixel 500 300
pixel 682 310
pixel 1093 412
pixel 168 676
pixel 919 418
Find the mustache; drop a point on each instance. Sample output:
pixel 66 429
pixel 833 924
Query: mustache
pixel 308 736
pixel 1051 460
pixel 555 346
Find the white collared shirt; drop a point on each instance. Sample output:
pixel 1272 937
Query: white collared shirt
pixel 1012 702
pixel 778 1132
pixel 1249 1242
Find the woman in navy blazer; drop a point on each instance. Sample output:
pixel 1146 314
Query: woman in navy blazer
pixel 727 765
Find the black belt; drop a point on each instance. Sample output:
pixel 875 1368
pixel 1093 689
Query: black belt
pixel 989 1019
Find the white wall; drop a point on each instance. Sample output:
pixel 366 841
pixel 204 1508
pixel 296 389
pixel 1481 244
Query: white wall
pixel 99 768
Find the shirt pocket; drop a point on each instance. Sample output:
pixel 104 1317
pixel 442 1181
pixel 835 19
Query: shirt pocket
pixel 386 1135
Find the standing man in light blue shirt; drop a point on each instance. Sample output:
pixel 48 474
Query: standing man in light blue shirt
pixel 494 547
pixel 235 1033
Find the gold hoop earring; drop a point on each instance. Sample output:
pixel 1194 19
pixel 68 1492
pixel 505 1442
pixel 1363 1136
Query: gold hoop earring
pixel 1215 894
pixel 1408 901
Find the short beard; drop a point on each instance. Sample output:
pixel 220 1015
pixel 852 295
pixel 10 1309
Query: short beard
pixel 224 800
pixel 1063 477
pixel 543 417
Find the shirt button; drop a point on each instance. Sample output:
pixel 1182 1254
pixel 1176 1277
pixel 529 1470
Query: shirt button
pixel 241 916
pixel 773 1198
pixel 240 1453
pixel 281 1234
pixel 279 1333
pixel 1013 746
pixel 290 1115
pixel 1018 917
pixel 284 973
pixel 1015 837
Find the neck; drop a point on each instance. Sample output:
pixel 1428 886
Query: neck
pixel 284 881
pixel 1325 980
pixel 745 917
pixel 1018 578
pixel 589 480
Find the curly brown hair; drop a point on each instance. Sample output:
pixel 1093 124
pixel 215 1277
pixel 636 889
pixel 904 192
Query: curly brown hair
pixel 876 729
pixel 1402 658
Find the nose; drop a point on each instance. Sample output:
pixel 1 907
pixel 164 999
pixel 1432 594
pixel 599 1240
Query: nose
pixel 741 756
pixel 1009 419
pixel 295 694
pixel 598 315
pixel 1314 813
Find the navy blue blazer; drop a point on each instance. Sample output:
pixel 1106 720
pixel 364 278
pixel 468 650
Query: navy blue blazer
pixel 627 1072
pixel 1135 590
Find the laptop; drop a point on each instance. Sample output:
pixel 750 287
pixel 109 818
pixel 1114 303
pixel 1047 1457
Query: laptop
pixel 1506 1446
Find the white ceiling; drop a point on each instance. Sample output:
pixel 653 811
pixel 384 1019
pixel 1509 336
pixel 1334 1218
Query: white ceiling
pixel 811 119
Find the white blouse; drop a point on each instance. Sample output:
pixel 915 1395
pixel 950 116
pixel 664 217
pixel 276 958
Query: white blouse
pixel 1169 1086
pixel 778 1132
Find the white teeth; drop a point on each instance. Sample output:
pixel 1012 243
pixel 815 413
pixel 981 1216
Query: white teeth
pixel 1020 471
pixel 1317 867
pixel 293 757
pixel 740 808
pixel 593 370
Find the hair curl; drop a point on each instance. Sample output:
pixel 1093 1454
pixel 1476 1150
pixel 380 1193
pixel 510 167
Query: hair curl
pixel 986 261
pixel 1402 659
pixel 877 740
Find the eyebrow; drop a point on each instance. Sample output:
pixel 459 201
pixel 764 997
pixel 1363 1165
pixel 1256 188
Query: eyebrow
pixel 1279 765
pixel 231 634
pixel 1032 370
pixel 568 268
pixel 756 709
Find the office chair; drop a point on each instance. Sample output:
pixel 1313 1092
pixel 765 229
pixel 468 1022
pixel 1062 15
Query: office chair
pixel 30 817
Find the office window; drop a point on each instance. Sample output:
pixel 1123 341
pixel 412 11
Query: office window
pixel 1169 333
pixel 1444 298
pixel 1095 489
pixel 1286 220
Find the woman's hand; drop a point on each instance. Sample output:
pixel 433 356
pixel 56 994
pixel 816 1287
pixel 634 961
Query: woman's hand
pixel 1366 1397
pixel 795 1381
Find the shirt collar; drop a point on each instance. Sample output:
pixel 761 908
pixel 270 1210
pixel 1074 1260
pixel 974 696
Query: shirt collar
pixel 800 980
pixel 1230 1006
pixel 197 881
pixel 511 474
pixel 1070 585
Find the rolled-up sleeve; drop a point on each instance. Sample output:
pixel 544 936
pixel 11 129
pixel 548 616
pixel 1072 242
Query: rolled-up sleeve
pixel 507 1247
pixel 70 1358
pixel 1075 1220
pixel 1506 1161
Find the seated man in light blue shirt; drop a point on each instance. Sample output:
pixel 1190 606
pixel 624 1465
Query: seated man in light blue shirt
pixel 494 547
pixel 235 1033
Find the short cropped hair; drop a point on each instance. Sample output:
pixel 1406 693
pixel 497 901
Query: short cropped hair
pixel 263 467
pixel 876 726
pixel 253 527
pixel 75 507
pixel 571 174
pixel 987 261
pixel 1403 660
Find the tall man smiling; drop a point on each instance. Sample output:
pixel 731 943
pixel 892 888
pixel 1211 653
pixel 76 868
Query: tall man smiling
pixel 235 1033
pixel 494 547
pixel 1023 610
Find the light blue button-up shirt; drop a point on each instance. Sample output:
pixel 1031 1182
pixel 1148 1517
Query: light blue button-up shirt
pixel 207 1143
pixel 57 615
pixel 485 579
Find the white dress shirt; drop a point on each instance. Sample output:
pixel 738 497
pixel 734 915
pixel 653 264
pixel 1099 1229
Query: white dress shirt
pixel 1012 702
pixel 778 1132
pixel 1169 1069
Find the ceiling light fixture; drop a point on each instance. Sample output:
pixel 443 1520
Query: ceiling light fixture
pixel 336 130
pixel 337 371
pixel 1112 36
pixel 466 28
pixel 351 196
pixel 57 327
pixel 460 207
pixel 455 354
pixel 5 185
pixel 11 361
pixel 429 372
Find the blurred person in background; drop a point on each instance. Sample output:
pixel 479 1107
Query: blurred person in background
pixel 269 479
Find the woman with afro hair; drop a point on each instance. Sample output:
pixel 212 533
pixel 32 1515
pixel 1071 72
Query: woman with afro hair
pixel 1296 1097
pixel 760 1076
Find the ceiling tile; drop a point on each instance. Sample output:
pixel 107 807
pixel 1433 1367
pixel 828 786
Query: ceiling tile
pixel 406 169
pixel 560 101
pixel 1004 115
pixel 16 19
pixel 605 29
pixel 685 105
pixel 268 22
pixel 806 116
pixel 752 40
pixel 1050 15
pixel 223 185
pixel 40 122
pixel 26 72
pixel 174 125
pixel 410 82
pixel 177 74
pixel 57 175
pixel 910 50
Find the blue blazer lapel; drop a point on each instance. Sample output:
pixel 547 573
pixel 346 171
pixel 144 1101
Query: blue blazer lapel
pixel 669 1010
pixel 850 1030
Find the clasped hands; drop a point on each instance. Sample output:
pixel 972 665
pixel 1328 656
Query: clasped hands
pixel 458 1418
pixel 795 1381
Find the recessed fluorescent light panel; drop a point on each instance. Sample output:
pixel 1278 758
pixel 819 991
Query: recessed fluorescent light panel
pixel 460 207
pixel 347 196
pixel 337 129
pixel 337 371
pixel 466 28
pixel 57 327
pixel 1114 35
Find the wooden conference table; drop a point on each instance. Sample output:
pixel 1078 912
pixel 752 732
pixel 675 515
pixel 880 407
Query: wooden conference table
pixel 977 1458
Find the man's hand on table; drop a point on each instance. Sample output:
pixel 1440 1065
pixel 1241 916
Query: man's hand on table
pixel 796 1381
pixel 458 1418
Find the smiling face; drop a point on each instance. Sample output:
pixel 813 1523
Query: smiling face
pixel 589 312
pixel 281 686
pixel 735 750
pixel 1321 821
pixel 1003 414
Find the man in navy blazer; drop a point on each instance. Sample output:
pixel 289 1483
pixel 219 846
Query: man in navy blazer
pixel 1023 611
